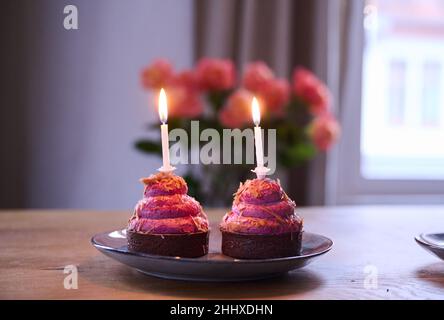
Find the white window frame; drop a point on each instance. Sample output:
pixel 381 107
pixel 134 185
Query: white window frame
pixel 343 181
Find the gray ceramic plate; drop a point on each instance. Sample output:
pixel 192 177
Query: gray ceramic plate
pixel 212 267
pixel 432 242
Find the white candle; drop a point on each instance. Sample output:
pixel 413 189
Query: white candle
pixel 260 170
pixel 165 145
pixel 259 147
pixel 163 115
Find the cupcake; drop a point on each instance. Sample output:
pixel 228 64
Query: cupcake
pixel 167 221
pixel 262 223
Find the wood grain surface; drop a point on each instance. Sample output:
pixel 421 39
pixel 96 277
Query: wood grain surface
pixel 35 247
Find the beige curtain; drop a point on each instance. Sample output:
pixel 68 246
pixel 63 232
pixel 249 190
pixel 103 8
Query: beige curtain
pixel 278 32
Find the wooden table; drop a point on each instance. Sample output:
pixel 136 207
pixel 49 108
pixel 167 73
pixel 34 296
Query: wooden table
pixel 35 247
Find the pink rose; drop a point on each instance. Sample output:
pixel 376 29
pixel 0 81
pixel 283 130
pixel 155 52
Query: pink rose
pixel 183 102
pixel 183 95
pixel 186 78
pixel 215 74
pixel 324 130
pixel 237 111
pixel 157 75
pixel 311 90
pixel 256 75
pixel 275 94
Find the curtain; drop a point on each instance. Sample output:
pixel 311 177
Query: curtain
pixel 282 33
pixel 278 32
pixel 12 138
pixel 339 49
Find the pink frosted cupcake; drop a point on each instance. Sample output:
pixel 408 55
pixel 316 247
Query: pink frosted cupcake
pixel 262 223
pixel 167 221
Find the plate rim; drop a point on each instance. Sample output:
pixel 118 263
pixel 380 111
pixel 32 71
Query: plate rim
pixel 420 240
pixel 197 260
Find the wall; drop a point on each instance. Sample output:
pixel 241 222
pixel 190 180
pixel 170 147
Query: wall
pixel 84 106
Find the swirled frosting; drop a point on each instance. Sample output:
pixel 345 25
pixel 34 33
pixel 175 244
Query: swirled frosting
pixel 261 206
pixel 166 208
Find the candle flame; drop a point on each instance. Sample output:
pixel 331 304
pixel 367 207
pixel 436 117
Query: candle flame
pixel 256 111
pixel 163 107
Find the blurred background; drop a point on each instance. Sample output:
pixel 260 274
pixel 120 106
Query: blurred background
pixel 72 104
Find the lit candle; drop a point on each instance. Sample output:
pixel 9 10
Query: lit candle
pixel 163 115
pixel 261 170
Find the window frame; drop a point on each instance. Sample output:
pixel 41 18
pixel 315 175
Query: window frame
pixel 344 182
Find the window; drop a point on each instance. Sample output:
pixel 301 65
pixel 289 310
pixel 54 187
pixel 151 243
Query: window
pixel 431 94
pixel 402 131
pixel 392 149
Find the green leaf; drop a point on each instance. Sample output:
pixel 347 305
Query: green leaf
pixel 194 186
pixel 148 146
pixel 305 151
pixel 297 154
pixel 217 99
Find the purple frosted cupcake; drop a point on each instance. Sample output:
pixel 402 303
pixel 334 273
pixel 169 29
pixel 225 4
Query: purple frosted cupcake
pixel 167 221
pixel 262 223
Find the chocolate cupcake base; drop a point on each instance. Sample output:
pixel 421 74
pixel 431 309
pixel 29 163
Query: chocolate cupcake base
pixel 261 246
pixel 182 245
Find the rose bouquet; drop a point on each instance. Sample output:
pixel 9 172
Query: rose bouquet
pixel 213 94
